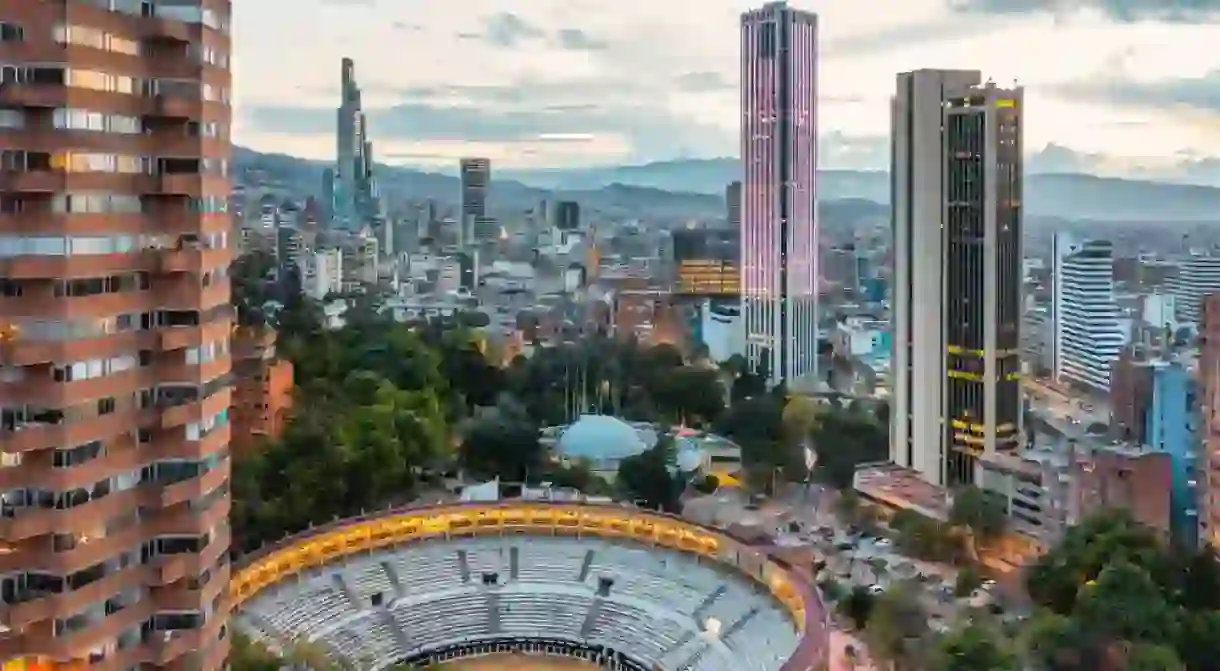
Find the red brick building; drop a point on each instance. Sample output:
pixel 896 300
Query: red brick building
pixel 263 387
pixel 1209 425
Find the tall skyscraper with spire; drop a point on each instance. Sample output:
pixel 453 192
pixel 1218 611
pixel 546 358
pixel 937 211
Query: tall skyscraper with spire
pixel 779 226
pixel 354 189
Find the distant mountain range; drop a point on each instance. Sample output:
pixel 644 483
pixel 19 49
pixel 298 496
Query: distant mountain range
pixel 693 188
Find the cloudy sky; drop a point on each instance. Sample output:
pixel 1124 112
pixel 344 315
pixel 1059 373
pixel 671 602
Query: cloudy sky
pixel 1111 85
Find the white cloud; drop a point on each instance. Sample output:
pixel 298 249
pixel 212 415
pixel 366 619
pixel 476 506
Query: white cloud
pixel 646 73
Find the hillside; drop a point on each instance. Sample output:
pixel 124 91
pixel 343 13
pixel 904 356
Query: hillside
pixel 691 188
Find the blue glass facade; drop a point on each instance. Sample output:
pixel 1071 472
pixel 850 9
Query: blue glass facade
pixel 1172 424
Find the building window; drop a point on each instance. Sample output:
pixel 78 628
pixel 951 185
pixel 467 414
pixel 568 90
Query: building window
pixel 11 32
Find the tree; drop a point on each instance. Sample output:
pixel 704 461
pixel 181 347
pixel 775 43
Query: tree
pixel 652 477
pixel 1151 657
pixel 689 396
pixel 246 655
pixel 508 450
pixel 843 441
pixel 1124 604
pixel 858 606
pixel 975 647
pixel 981 513
pixel 707 484
pixel 925 538
pixel 1198 640
pixel 799 418
pixel 897 628
pixel 1054 580
pixel 968 580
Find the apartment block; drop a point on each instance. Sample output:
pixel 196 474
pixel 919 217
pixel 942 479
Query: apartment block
pixel 116 374
pixel 262 393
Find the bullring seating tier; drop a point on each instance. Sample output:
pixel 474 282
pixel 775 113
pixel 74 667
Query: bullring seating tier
pixel 376 609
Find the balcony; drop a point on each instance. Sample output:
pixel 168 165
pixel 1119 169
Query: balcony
pixel 184 184
pixel 33 96
pixel 172 568
pixel 18 616
pixel 32 522
pixel 66 267
pixel 163 496
pixel 193 260
pixel 28 352
pixel 40 641
pixel 174 107
pixel 197 410
pixel 32 181
pixel 44 436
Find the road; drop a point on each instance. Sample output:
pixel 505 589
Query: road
pixel 1065 405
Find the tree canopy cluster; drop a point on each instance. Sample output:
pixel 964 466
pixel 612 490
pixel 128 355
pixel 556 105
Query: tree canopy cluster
pixel 1114 594
pixel 374 409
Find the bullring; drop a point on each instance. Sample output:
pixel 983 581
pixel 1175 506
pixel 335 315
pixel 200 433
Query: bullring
pixel 651 589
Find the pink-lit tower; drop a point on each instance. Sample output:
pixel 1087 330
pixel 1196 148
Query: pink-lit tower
pixel 779 221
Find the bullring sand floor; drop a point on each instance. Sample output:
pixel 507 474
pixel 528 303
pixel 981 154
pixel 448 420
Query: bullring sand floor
pixel 511 662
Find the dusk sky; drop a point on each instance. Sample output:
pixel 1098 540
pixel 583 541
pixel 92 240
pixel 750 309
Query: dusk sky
pixel 592 82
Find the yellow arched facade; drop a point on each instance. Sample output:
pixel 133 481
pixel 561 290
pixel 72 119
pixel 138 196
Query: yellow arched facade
pixel 335 542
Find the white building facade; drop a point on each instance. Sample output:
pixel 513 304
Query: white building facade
pixel 1087 332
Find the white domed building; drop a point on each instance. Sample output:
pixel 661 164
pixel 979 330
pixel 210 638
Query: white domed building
pixel 604 442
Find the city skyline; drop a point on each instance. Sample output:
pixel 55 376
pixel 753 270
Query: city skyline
pixel 540 84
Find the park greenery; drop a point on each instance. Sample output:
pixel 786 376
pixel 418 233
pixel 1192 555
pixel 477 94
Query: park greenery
pixel 383 409
pixel 1111 595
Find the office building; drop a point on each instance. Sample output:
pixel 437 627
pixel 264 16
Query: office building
pixel 115 380
pixel 707 262
pixel 956 180
pixel 567 215
pixel 353 187
pixel 476 180
pixel 1155 402
pixel 779 145
pixel 1198 276
pixel 732 204
pixel 475 176
pixel 324 276
pixel 1087 334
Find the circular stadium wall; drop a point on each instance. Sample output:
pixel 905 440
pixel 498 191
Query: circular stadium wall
pixel 298 556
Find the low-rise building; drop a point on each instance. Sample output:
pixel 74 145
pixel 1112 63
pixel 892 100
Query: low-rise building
pixel 262 390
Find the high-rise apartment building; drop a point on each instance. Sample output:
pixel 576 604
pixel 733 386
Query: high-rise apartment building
pixel 779 150
pixel 956 197
pixel 1086 333
pixel 1198 276
pixel 115 380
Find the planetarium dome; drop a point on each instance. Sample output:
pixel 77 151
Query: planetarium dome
pixel 600 438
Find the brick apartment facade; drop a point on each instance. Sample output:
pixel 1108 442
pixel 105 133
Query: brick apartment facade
pixel 262 395
pixel 114 305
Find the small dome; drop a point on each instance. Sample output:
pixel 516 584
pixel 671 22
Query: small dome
pixel 598 437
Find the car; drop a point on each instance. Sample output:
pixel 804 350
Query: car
pixel 876 590
pixel 884 542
